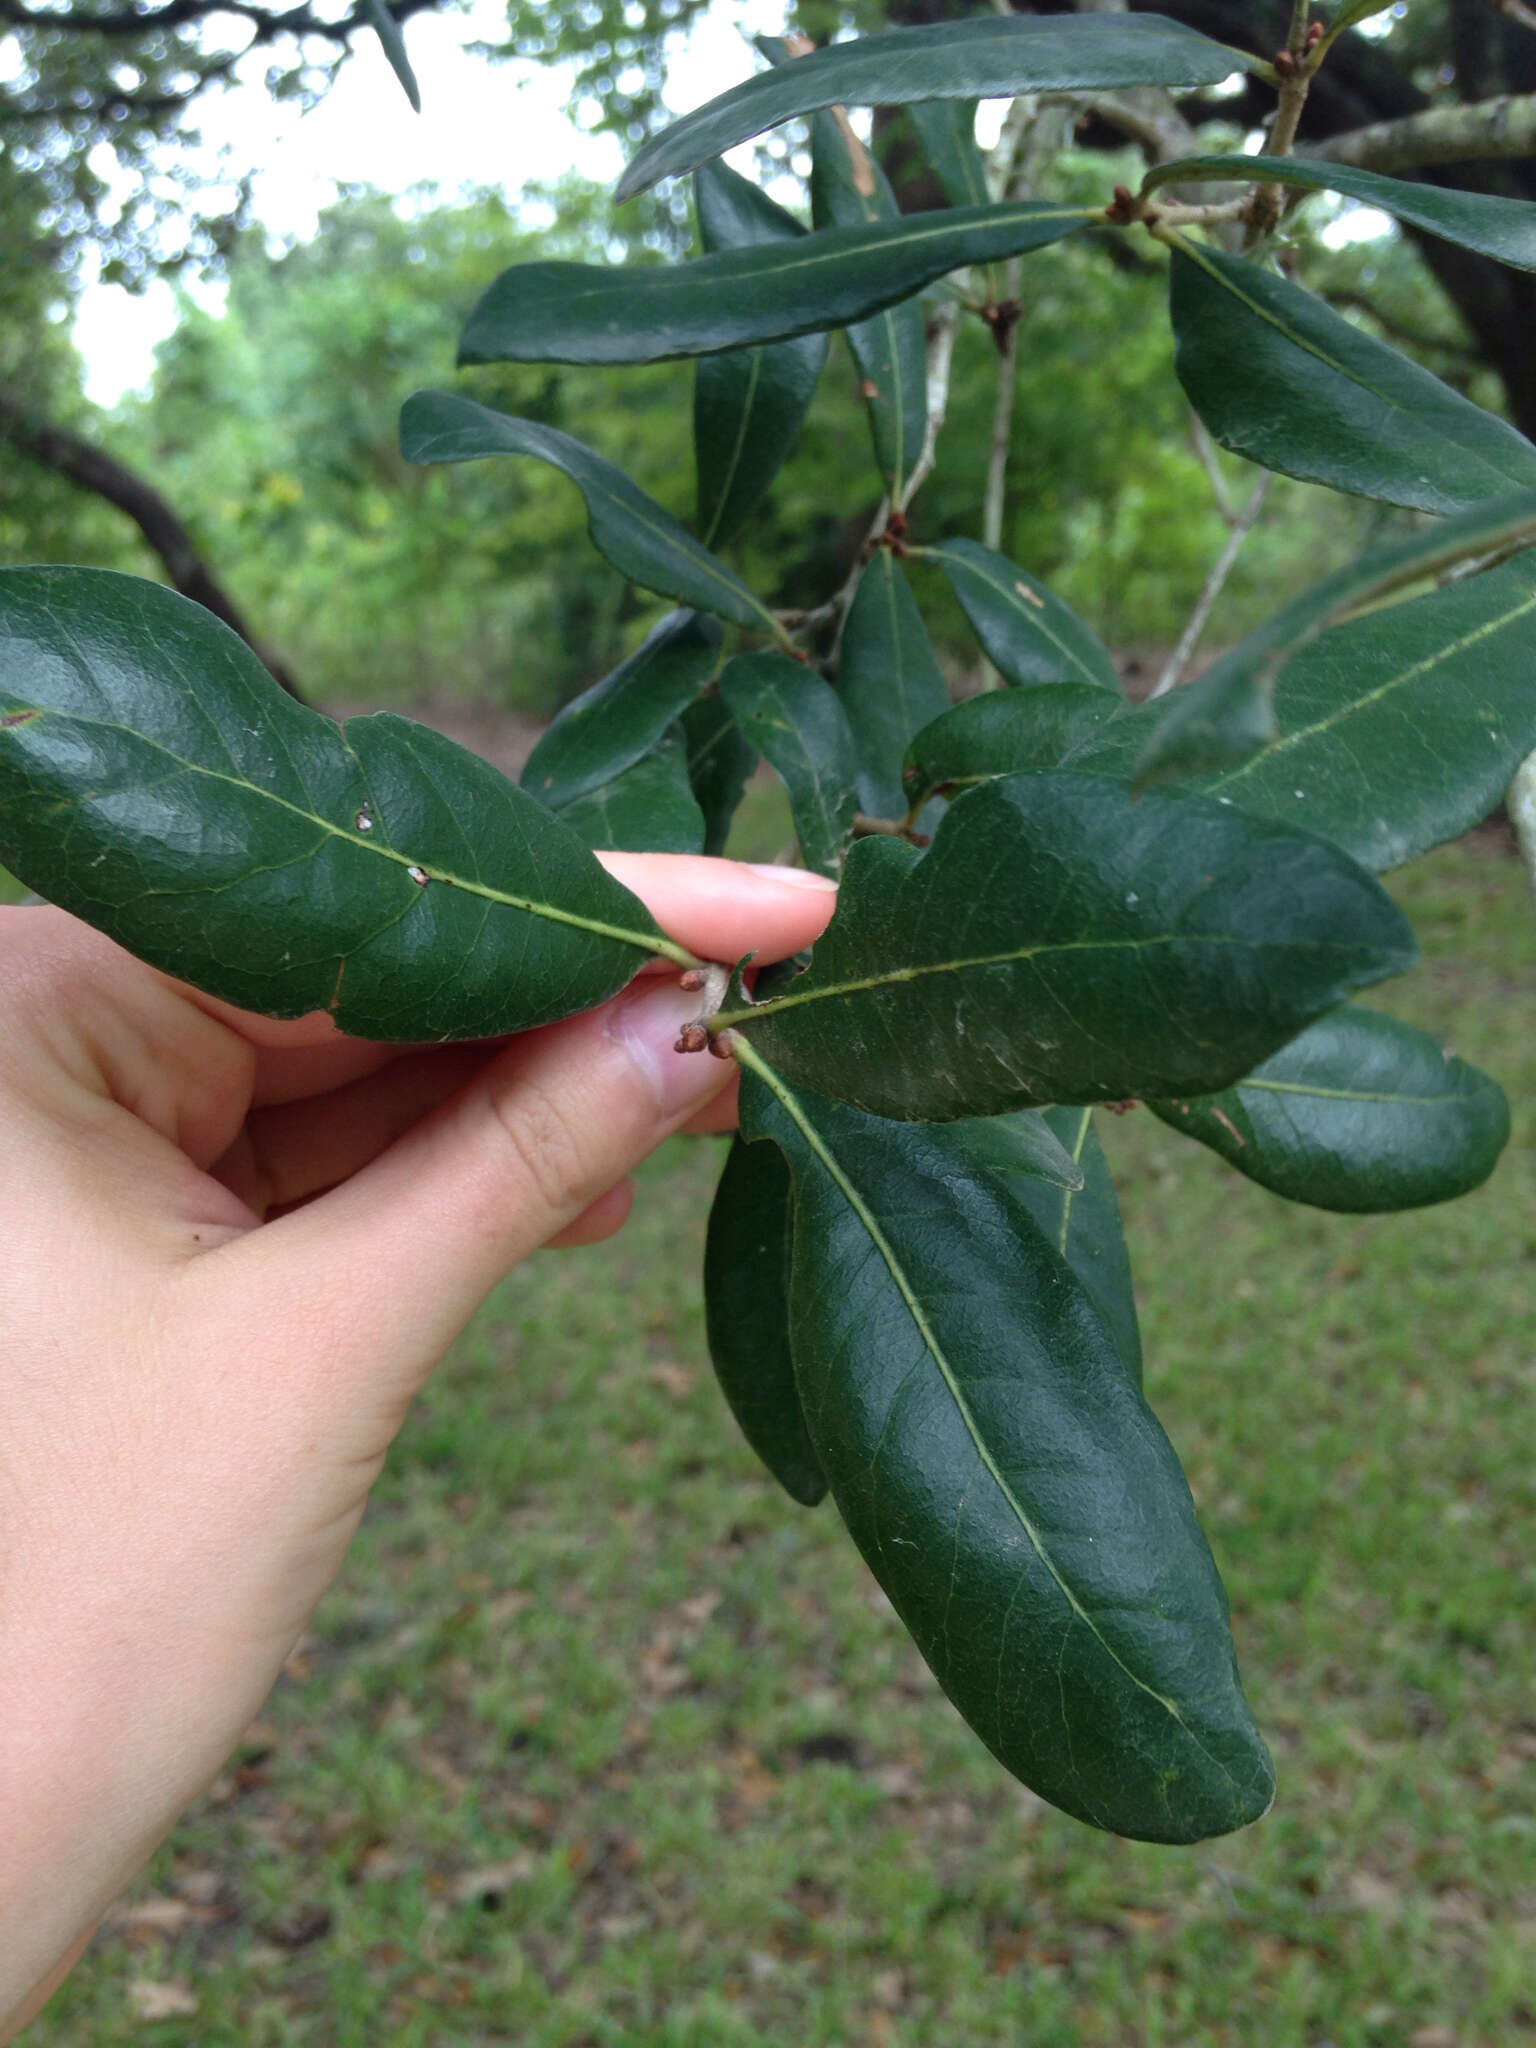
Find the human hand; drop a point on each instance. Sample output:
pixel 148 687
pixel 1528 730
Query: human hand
pixel 233 1251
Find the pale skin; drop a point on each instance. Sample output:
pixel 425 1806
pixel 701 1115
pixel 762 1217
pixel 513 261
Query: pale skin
pixel 233 1251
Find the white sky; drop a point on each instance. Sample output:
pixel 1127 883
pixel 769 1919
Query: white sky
pixel 481 124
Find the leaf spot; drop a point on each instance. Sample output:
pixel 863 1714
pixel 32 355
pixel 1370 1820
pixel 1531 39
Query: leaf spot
pixel 419 876
pixel 20 717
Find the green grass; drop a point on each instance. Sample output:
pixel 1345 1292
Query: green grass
pixel 582 1637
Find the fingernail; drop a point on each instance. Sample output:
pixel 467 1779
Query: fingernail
pixel 646 1025
pixel 799 878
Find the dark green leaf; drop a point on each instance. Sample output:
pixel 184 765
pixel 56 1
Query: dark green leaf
pixel 1397 730
pixel 1084 1226
pixel 1005 1481
pixel 719 762
pixel 1065 942
pixel 748 405
pixel 947 131
pixel 746 1312
pixel 609 727
pixel 1229 712
pixel 652 312
pixel 890 351
pixel 888 679
pixel 1280 377
pixel 1226 716
pixel 640 539
pixel 1004 732
pixel 794 720
pixel 155 781
pixel 394 48
pixel 1504 229
pixel 1028 631
pixel 990 58
pixel 649 807
pixel 1359 1113
pixel 1356 11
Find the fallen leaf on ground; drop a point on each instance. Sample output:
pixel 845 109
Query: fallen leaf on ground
pixel 150 2000
pixel 492 1881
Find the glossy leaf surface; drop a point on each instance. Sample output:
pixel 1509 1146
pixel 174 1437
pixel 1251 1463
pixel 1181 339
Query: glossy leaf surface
pixel 719 763
pixel 794 720
pixel 1359 1113
pixel 946 131
pixel 1504 229
pixel 1004 732
pixel 989 58
pixel 1281 378
pixel 610 726
pixel 888 681
pixel 157 782
pixel 636 534
pixel 1031 634
pixel 766 291
pixel 1003 1478
pixel 748 405
pixel 890 350
pixel 1062 941
pixel 1397 731
pixel 1229 712
pixel 746 1313
pixel 649 807
pixel 1084 1226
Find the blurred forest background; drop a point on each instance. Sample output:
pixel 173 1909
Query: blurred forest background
pixel 262 452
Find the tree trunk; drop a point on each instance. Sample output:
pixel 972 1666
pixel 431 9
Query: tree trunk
pixel 94 470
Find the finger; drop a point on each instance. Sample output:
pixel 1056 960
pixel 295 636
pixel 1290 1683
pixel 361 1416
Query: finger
pixel 719 1114
pixel 722 909
pixel 598 1221
pixel 388 1267
pixel 288 1151
pixel 718 909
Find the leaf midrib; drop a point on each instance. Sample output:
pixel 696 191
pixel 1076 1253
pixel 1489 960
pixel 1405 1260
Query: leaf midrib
pixel 1034 619
pixel 1423 666
pixel 908 1293
pixel 643 941
pixel 769 264
pixel 792 999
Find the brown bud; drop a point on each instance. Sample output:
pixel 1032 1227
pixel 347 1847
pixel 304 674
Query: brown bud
pixel 692 1038
pixel 691 978
pixel 720 1046
pixel 1285 64
pixel 1315 35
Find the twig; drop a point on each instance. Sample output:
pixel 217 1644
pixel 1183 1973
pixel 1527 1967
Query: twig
pixel 1002 427
pixel 1205 448
pixel 1189 639
pixel 941 351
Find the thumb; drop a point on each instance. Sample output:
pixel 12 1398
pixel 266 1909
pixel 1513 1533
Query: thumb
pixel 388 1267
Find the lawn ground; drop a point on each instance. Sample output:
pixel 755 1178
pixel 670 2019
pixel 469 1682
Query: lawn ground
pixel 602 1742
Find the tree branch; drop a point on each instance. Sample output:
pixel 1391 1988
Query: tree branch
pixel 92 469
pixel 1487 129
pixel 268 23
